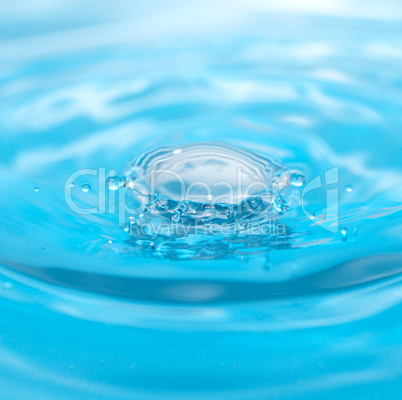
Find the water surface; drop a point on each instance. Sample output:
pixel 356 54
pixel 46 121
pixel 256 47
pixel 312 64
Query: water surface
pixel 90 311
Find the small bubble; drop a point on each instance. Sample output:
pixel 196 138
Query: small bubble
pixel 182 208
pixel 267 196
pixel 162 202
pixel 130 183
pixel 126 228
pixel 141 214
pixel 36 189
pixel 175 217
pixel 230 214
pixel 255 203
pixel 297 180
pixel 344 233
pixel 110 241
pixel 114 182
pixel 71 184
pixel 349 188
pixel 280 204
pixel 85 188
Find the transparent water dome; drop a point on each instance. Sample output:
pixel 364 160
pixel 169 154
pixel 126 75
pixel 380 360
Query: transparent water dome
pixel 234 195
pixel 198 178
pixel 206 171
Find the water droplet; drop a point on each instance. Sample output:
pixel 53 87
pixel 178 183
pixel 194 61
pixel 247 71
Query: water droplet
pixel 162 202
pixel 36 189
pixel 175 217
pixel 344 233
pixel 110 241
pixel 267 196
pixel 182 208
pixel 254 203
pixel 85 188
pixel 71 184
pixel 230 214
pixel 130 183
pixel 114 182
pixel 297 180
pixel 280 204
pixel 349 188
pixel 141 214
pixel 126 228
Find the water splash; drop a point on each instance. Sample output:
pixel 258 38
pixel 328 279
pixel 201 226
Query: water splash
pixel 249 308
pixel 207 196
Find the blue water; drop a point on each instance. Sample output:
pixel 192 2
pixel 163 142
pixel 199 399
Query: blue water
pixel 92 309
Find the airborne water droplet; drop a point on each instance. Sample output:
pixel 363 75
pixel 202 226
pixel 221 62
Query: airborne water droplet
pixel 267 196
pixel 114 183
pixel 349 188
pixel 85 188
pixel 175 217
pixel 162 202
pixel 230 214
pixel 297 180
pixel 36 189
pixel 280 204
pixel 344 233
